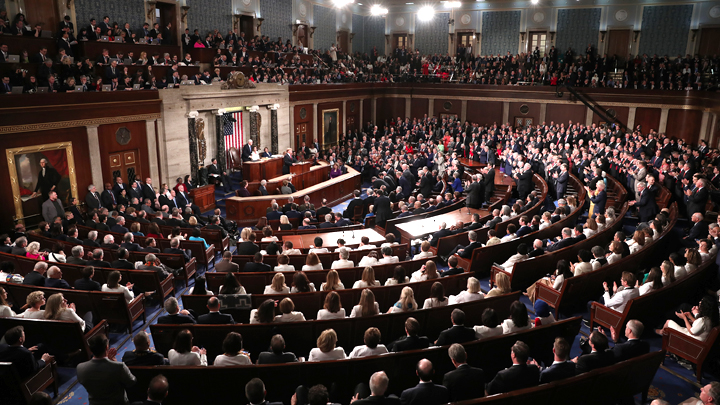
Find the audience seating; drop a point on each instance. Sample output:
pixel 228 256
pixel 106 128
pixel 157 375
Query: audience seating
pixel 527 272
pixel 110 306
pixel 58 336
pixel 599 387
pixel 491 354
pixel 616 194
pixel 301 336
pixel 577 291
pixel 16 391
pixel 309 303
pixel 652 307
pixel 689 348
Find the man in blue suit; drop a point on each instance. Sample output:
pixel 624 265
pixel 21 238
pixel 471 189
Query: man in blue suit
pixel 646 205
pixel 561 368
pixel 247 151
pixel 426 392
pixel 599 198
pixel 561 180
pixel 288 160
pixel 405 184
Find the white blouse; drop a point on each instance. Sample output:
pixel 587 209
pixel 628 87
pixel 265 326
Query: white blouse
pixel 223 360
pixel 342 264
pixel 423 255
pixel 363 284
pixel 293 316
pixel 482 331
pixel 269 290
pixel 129 295
pixel 6 312
pixel 364 351
pixel 508 326
pixel 186 359
pixel 294 290
pixel 465 296
pixel 339 287
pixel 357 311
pixel 335 354
pixel 284 267
pixel 325 314
pixel 368 261
pixel 307 267
pixel 392 281
pixel 434 303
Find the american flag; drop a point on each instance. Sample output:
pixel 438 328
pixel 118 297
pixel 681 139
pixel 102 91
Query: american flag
pixel 233 131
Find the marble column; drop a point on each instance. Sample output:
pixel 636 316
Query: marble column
pixel 431 107
pixel 373 110
pixel 220 138
pixel 254 132
pixel 192 139
pixel 631 118
pixel 152 151
pixel 317 132
pixel 543 113
pixel 274 130
pixel 95 158
pixel 342 129
pixel 704 126
pixel 408 107
pixel 506 112
pixel 588 117
pixel 362 116
pixel 663 119
pixel 463 111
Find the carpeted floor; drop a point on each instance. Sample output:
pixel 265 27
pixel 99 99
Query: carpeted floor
pixel 673 382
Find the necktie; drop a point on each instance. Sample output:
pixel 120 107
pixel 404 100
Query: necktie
pixel 113 196
pixel 175 202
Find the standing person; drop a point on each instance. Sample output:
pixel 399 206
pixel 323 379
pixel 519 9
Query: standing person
pixel 48 179
pixel 104 378
pixel 52 208
pixel 288 160
pixel 215 171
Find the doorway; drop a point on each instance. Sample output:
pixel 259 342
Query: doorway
pixel 538 39
pixel 618 45
pixel 466 40
pixel 125 164
pixel 302 40
pixel 164 14
pixel 709 42
pixel 400 41
pixel 246 26
pixel 44 12
pixel 301 135
pixel 343 43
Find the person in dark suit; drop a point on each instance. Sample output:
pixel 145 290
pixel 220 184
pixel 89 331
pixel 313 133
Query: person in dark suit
pixel 426 184
pixel 561 181
pixel 379 382
pixel 119 226
pixel 382 208
pixel 699 230
pixel 633 347
pixel 475 195
pixel 356 202
pixel 91 240
pixel 22 359
pixel 519 375
pixel 524 181
pixel 426 392
pixel 92 198
pixel 256 265
pixel 442 232
pixel 458 333
pixel 465 382
pixel 566 240
pixel 288 160
pixel 598 357
pixel 104 378
pixel 175 249
pixel 405 184
pixel 108 198
pixel 340 221
pixel 150 246
pixel 214 317
pixel 255 392
pixel 86 283
pixel 247 248
pixel 489 178
pixel 48 178
pixel 411 341
pixel 697 197
pixel 37 276
pixel 646 205
pixel 247 151
pixel 598 198
pixel 277 355
pixel 215 171
pixel 54 279
pixel 97 260
pixel 142 355
pixel 466 251
pixel 122 260
pixel 175 316
pixel 561 368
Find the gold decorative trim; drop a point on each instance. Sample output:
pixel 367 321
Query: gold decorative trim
pixel 14 182
pixel 41 126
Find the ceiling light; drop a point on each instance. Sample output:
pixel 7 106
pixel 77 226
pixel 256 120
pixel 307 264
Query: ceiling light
pixel 426 13
pixel 342 3
pixel 534 1
pixel 452 4
pixel 376 10
pixel 409 3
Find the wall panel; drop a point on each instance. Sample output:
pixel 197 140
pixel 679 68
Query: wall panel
pixel 684 124
pixel 648 118
pixel 485 112
pixel 665 29
pixel 621 113
pixel 419 107
pixel 319 132
pixel 138 142
pixel 565 113
pixel 533 112
pixel 500 32
pixel 576 28
pixel 388 108
pixel 201 19
pixel 447 106
pixel 277 15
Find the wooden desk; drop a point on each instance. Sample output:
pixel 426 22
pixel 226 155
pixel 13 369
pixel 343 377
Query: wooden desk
pixel 204 197
pixel 247 210
pixel 315 175
pixel 352 238
pixel 421 227
pixel 263 169
pixel 500 178
pixel 93 49
pixel 300 167
pixel 16 44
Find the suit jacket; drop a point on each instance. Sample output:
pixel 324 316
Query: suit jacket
pixel 247 248
pixel 246 152
pixel 252 267
pixel 557 372
pixel 382 209
pixel 631 348
pixel 599 200
pixel 122 264
pixel 138 358
pixel 467 250
pixel 561 184
pixel 475 196
pixel 287 162
pixel 93 200
pixel 350 211
pixel 425 393
pixel 560 244
pixel 275 358
pixel 227 267
pixel 87 285
pixel 378 400
pixel 594 360
pixel 647 207
pixel 465 382
pixel 186 255
pixel 90 242
pixel 696 201
pixel 409 343
pixel 22 360
pixel 514 378
pixel 216 318
pixel 176 319
pixel 455 334
pixel 34 278
pixel 56 283
pixel 105 381
pixel 439 234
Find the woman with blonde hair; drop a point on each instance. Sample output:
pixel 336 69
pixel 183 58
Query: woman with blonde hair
pixel 285 224
pixel 590 228
pixel 332 282
pixel 332 308
pixel 288 313
pixel 502 285
pixel 693 260
pixel 668 272
pixel 368 279
pixel 406 302
pixel 245 234
pixel 34 301
pixel 283 265
pixel 312 262
pixel 33 251
pixel 57 308
pixel 472 293
pixel 367 305
pixel 427 272
pixel 277 286
pixel 326 349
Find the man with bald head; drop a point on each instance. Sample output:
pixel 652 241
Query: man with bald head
pixel 426 392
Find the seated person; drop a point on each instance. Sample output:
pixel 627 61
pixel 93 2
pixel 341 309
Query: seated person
pixel 372 346
pixel 276 355
pixel 288 313
pixel 326 349
pixel 472 293
pixel 233 353
pixel 343 262
pixel 142 355
pixel 24 361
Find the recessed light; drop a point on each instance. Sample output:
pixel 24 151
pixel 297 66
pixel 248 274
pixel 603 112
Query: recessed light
pixel 409 3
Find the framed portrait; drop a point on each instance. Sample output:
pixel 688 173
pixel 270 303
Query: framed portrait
pixel 330 126
pixel 37 170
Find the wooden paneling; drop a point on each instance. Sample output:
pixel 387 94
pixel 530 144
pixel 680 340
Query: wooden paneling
pixel 485 112
pixel 709 42
pixel 565 113
pixel 389 108
pixel 303 131
pixel 109 146
pixel 367 112
pixel 684 124
pixel 43 12
pixel 419 107
pixel 447 106
pixel 533 112
pixel 319 135
pixel 352 115
pixel 621 114
pixel 648 118
pixel 18 44
pixel 618 43
pixel 83 174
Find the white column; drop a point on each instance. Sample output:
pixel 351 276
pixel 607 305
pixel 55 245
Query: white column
pixel 95 158
pixel 316 130
pixel 588 117
pixel 543 113
pixel 506 112
pixel 431 107
pixel 292 129
pixel 631 118
pixel 362 117
pixel 344 122
pixel 663 120
pixel 711 135
pixel 152 151
pixel 373 111
pixel 408 110
pixel 704 127
pixel 463 110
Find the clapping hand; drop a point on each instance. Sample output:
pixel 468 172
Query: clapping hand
pixel 681 315
pixel 615 287
pixel 111 353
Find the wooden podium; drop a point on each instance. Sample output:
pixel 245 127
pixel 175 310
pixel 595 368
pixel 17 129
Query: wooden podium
pixel 300 168
pixel 204 197
pixel 263 169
